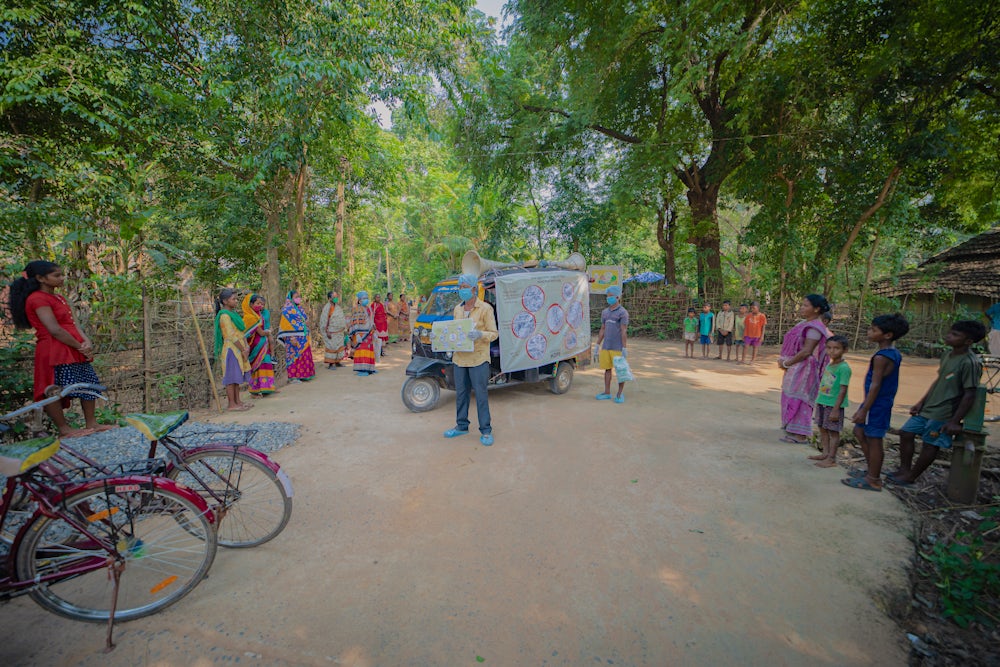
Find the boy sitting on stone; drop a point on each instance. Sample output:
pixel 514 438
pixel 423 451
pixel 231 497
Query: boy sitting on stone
pixel 938 415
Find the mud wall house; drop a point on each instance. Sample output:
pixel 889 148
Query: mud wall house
pixel 962 280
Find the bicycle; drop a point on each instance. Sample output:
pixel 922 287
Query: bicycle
pixel 100 546
pixel 249 494
pixel 991 380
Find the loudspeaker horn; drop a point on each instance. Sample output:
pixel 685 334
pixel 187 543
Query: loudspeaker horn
pixel 574 262
pixel 477 266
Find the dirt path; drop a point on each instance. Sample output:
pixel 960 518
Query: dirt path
pixel 672 530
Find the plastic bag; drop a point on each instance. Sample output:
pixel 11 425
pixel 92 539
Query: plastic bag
pixel 622 370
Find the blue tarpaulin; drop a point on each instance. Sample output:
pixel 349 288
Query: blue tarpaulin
pixel 646 277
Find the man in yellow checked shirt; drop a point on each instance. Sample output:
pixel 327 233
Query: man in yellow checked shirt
pixel 472 369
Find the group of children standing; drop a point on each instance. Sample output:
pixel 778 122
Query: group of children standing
pixel 936 418
pixel 743 329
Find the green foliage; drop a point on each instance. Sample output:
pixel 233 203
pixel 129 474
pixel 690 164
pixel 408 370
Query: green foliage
pixel 968 571
pixel 171 387
pixel 16 372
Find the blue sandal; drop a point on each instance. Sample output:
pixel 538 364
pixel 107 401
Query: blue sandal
pixel 860 483
pixel 454 433
pixel 603 397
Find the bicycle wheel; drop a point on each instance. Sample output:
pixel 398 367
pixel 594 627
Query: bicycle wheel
pixel 163 561
pixel 22 508
pixel 991 380
pixel 255 506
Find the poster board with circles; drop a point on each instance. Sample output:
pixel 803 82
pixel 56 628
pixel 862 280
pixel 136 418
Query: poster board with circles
pixel 542 317
pixel 452 336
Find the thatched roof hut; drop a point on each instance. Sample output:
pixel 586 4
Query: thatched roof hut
pixel 970 269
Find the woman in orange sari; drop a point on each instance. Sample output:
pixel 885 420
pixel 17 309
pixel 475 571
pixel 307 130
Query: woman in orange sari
pixel 257 323
pixel 362 333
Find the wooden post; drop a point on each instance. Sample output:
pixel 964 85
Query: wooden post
pixel 147 353
pixel 204 352
pixel 967 454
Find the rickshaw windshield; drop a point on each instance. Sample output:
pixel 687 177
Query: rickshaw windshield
pixel 442 302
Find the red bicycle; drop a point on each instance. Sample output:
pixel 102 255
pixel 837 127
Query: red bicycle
pixel 102 545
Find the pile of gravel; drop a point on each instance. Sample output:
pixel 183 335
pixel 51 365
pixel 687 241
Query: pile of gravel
pixel 127 444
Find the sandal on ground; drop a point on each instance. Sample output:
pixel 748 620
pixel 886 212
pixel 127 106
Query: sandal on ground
pixel 858 473
pixel 860 483
pixel 790 439
pixel 603 397
pixel 454 433
pixel 619 399
pixel 898 482
pixel 486 439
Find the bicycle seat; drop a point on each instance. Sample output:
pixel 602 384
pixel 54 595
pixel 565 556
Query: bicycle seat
pixel 19 457
pixel 155 427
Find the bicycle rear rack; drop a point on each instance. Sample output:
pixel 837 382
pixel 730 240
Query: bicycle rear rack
pixel 241 437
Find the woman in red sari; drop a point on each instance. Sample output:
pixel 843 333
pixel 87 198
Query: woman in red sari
pixel 381 326
pixel 62 353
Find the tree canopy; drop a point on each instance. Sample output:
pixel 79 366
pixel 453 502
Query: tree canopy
pixel 748 146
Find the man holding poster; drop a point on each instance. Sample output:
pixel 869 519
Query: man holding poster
pixel 472 369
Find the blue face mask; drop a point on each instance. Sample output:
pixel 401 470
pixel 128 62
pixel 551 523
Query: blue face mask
pixel 364 302
pixel 465 293
pixel 612 300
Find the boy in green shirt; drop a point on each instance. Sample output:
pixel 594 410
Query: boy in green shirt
pixel 690 332
pixel 938 415
pixel 831 401
pixel 738 333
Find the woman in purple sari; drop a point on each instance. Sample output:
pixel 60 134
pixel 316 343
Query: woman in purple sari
pixel 803 355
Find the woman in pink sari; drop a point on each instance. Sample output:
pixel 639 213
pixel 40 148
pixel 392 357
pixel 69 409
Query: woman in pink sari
pixel 803 355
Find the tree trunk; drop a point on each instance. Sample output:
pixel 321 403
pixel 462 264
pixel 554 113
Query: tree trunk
pixel 706 238
pixel 350 253
pixel 339 238
pixel 666 226
pixel 271 275
pixel 864 287
pixel 296 226
pixel 887 186
pixel 34 233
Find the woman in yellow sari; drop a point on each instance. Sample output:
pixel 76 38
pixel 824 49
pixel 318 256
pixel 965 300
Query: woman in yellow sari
pixel 231 348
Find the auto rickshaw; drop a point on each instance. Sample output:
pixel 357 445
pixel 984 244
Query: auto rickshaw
pixel 528 350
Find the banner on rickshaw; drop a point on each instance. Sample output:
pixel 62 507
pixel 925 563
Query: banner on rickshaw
pixel 603 277
pixel 542 317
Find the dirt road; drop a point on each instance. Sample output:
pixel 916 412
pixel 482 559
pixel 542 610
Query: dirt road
pixel 671 530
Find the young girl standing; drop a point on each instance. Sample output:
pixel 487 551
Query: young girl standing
pixel 690 332
pixel 62 353
pixel 231 348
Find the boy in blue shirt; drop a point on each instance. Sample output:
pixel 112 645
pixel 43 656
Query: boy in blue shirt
pixel 706 323
pixel 871 421
pixel 938 415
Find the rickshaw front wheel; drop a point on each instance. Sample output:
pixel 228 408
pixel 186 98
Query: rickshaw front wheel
pixel 562 378
pixel 421 394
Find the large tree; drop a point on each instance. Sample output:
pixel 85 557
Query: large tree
pixel 662 84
